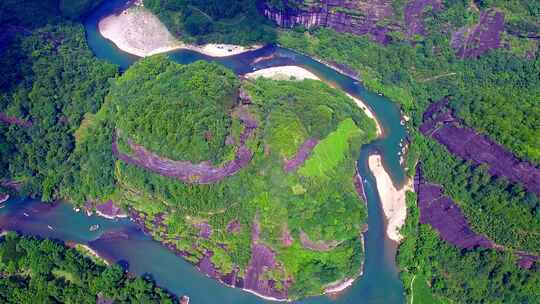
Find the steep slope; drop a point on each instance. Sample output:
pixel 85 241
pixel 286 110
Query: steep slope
pixel 231 206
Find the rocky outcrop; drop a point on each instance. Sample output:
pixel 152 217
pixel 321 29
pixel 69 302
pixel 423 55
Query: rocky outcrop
pixel 441 124
pixel 479 39
pixel 320 246
pixel 263 259
pixel 187 172
pixel 445 216
pixel 12 120
pixel 301 155
pixel 373 17
pixel 414 13
pixel 110 210
pixel 3 198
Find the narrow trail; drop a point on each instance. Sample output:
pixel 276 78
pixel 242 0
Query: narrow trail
pixel 437 77
pixel 412 290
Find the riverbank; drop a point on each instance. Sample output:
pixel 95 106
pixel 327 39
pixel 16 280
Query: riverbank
pixel 287 72
pixel 293 72
pixel 392 198
pixel 137 31
pixel 85 249
pixel 362 105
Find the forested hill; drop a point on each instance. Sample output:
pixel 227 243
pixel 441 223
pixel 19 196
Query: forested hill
pixel 50 79
pixel 482 53
pixel 43 271
pixel 253 181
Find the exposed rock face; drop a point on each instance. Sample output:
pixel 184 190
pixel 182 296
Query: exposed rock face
pixel 414 12
pixel 187 172
pixel 443 126
pixel 262 260
pixel 445 216
pixel 205 230
pixel 320 246
pixel 301 155
pixel 353 16
pixel 11 120
pixel 486 35
pixel 3 197
pixel 110 210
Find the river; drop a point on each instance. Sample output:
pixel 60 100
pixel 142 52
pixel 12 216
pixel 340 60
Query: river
pixel 130 247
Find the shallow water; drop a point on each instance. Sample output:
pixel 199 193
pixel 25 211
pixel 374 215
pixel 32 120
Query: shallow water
pixel 380 282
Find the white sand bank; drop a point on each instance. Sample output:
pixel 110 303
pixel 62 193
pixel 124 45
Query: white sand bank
pixel 368 112
pixel 288 72
pixel 92 252
pixel 292 72
pixel 338 287
pixel 138 31
pixel 392 199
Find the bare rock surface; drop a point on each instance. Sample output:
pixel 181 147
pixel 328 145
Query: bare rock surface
pixel 445 216
pixel 414 12
pixel 262 259
pixel 187 172
pixel 110 210
pixel 484 36
pixel 357 17
pixel 441 124
pixel 301 155
pixel 12 120
pixel 320 246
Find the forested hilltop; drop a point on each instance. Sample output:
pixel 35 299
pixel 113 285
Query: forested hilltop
pixel 251 180
pixel 43 271
pixel 482 57
pixel 226 172
pixel 50 79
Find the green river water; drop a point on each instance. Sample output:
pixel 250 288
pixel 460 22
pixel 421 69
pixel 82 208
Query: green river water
pixel 380 282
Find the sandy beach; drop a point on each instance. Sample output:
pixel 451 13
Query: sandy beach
pixel 339 286
pixel 138 31
pixel 292 72
pixel 392 199
pixel 368 112
pixel 92 252
pixel 287 72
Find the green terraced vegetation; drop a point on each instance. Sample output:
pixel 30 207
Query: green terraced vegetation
pixel 331 150
pixel 326 209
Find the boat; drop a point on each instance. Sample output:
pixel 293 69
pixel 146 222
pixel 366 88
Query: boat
pixel 94 227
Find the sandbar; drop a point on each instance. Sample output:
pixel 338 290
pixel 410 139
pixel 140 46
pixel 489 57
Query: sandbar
pixel 287 72
pixel 392 199
pixel 137 31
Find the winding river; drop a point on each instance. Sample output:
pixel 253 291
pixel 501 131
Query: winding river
pixel 130 247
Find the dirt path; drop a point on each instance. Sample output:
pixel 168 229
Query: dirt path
pixel 412 289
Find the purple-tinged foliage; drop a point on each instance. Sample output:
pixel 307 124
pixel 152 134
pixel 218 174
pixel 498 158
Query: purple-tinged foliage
pixel 484 36
pixel 443 126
